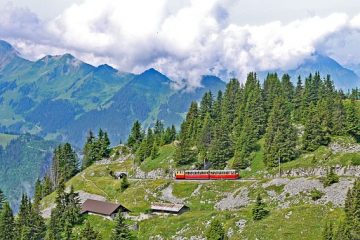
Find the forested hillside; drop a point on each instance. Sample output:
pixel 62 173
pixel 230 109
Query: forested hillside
pixel 22 161
pixel 225 130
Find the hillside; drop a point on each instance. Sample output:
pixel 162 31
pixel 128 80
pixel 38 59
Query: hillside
pixel 61 97
pixel 296 147
pixel 23 159
pixel 293 214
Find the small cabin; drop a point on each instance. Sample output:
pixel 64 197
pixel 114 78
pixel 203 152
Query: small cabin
pixel 168 208
pixel 101 208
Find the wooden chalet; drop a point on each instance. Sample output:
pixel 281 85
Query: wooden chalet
pixel 104 209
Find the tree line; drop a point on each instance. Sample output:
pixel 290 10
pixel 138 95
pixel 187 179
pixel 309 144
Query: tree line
pixel 291 119
pixel 146 143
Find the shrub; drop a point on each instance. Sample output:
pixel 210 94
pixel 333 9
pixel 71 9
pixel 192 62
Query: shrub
pixel 330 178
pixel 216 231
pixel 259 211
pixel 316 194
pixel 124 183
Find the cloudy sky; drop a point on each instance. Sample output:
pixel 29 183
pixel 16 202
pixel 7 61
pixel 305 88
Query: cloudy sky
pixel 185 38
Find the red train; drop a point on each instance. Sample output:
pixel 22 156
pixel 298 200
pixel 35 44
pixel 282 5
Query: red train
pixel 207 174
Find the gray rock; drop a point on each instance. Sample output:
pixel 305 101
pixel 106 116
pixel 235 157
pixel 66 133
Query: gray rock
pixel 234 201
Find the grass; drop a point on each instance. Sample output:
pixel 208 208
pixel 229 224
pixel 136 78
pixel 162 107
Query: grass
pixel 100 224
pixel 163 160
pixel 302 222
pixel 257 165
pixel 299 222
pixel 5 139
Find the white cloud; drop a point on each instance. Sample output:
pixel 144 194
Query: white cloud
pixel 184 41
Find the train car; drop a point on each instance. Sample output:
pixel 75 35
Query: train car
pixel 206 174
pixel 224 174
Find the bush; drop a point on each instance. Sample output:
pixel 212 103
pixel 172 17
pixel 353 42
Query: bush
pixel 216 231
pixel 316 194
pixel 330 178
pixel 124 183
pixel 259 211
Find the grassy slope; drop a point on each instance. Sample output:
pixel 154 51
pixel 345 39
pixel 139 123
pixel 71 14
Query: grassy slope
pixel 305 222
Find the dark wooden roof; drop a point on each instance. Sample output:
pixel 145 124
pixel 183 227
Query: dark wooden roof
pixel 100 207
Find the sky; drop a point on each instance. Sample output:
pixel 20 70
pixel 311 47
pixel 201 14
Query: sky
pixel 185 39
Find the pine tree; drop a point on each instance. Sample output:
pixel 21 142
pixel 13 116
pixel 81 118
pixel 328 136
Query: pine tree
pixel 217 106
pixel 216 231
pixel 121 230
pixel 88 233
pixel 280 137
pixel 259 211
pixel 173 133
pixel 47 186
pixel 352 120
pixel 328 233
pixel 154 151
pixel 220 149
pixel 135 136
pixel 314 133
pixel 158 128
pixel 272 88
pixel 245 145
pixel 287 88
pixel 70 162
pixel 297 101
pixel 88 151
pixel 2 199
pixel 189 128
pixel 352 212
pixel 65 215
pixel 205 136
pixel 338 117
pixel 142 151
pixel 7 224
pixel 38 195
pixel 206 105
pixel 228 107
pixel 29 223
pixel 104 143
pixel 124 183
pixel 184 153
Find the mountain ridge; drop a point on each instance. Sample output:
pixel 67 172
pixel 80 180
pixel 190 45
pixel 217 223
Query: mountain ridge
pixel 53 95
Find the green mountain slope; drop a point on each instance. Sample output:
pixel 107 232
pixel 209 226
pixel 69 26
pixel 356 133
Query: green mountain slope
pixel 22 161
pixel 61 97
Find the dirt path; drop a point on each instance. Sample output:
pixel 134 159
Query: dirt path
pixel 87 180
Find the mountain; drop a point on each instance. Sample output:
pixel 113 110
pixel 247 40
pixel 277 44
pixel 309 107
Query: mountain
pixel 355 68
pixel 61 98
pixel 343 78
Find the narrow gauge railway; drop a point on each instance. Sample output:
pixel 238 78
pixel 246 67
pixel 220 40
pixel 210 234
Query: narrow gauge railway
pixel 207 174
